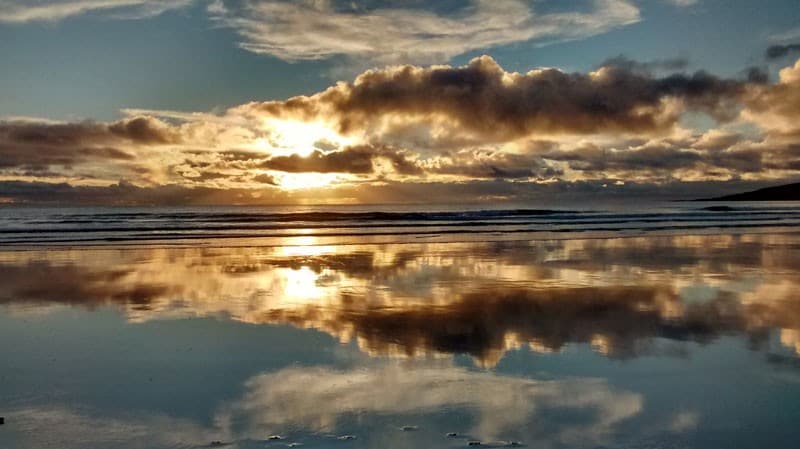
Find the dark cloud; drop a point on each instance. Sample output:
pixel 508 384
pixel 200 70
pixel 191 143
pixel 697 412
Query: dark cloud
pixel 127 194
pixel 265 178
pixel 623 62
pixel 756 75
pixel 779 51
pixel 658 158
pixel 354 160
pixel 140 130
pixel 38 158
pixel 482 99
pixel 144 130
pixel 652 156
pixel 493 190
pixel 357 159
pixel 494 165
pixel 35 146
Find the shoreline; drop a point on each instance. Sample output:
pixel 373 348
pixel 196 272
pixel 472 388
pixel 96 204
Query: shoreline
pixel 213 243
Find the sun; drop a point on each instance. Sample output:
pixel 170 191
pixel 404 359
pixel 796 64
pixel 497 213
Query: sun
pixel 296 137
pixel 293 137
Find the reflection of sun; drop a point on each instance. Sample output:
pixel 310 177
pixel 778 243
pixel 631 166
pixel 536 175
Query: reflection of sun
pixel 301 286
pixel 302 246
pixel 295 137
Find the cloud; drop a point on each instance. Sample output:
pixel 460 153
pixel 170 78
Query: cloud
pixel 646 67
pixel 402 131
pixel 683 3
pixel 139 130
pixel 775 108
pixel 486 102
pixel 439 191
pixel 780 50
pixel 356 160
pixel 786 35
pixel 491 164
pixel 144 130
pixel 265 179
pixel 391 34
pixel 41 146
pixel 23 11
pixel 714 154
pixel 126 193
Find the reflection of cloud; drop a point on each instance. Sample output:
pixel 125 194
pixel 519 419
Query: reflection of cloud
pixel 791 339
pixel 44 282
pixel 481 299
pixel 316 398
pixel 684 421
pixel 58 427
pixel 617 321
pixel 314 401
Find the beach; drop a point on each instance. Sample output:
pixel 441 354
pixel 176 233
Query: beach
pixel 550 337
pixel 386 224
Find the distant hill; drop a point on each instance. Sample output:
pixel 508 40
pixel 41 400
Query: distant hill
pixel 788 192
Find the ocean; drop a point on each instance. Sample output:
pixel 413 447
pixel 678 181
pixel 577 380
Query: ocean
pixel 388 224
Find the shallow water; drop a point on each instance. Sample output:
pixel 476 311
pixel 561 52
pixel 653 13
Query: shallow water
pixel 278 226
pixel 651 341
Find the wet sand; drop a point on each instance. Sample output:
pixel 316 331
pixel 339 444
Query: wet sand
pixel 654 340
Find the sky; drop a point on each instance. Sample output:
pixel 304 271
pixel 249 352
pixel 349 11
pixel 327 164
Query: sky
pixel 175 102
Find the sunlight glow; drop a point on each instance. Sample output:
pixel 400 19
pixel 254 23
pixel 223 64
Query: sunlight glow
pixel 296 181
pixel 301 286
pixel 295 137
pixel 305 246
